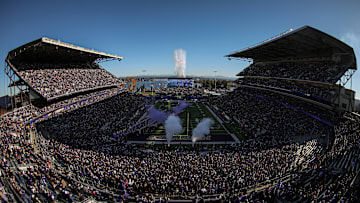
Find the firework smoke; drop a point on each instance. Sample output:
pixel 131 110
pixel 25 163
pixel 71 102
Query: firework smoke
pixel 180 62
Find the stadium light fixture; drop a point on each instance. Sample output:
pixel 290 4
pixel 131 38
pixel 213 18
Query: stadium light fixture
pixel 215 71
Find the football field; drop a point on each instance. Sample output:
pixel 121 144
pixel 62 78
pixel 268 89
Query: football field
pixel 190 117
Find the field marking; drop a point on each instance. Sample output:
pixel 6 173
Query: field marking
pixel 221 123
pixel 187 128
pixel 199 110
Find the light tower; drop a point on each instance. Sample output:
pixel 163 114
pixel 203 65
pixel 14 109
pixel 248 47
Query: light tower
pixel 215 71
pixel 180 62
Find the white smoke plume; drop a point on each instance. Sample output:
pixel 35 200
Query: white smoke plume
pixel 172 127
pixel 180 62
pixel 202 129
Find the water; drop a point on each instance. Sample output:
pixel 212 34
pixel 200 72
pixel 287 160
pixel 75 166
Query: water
pixel 156 84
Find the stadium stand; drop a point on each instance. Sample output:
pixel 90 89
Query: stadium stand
pixel 60 69
pixel 327 72
pixel 305 62
pixel 72 173
pixel 104 118
pixel 322 92
pixel 22 164
pixel 73 147
pixel 262 117
pixel 334 179
pixel 56 82
pixel 180 91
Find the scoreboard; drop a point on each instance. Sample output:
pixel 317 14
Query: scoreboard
pixel 180 82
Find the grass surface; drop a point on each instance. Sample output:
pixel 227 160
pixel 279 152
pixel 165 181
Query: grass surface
pixel 190 117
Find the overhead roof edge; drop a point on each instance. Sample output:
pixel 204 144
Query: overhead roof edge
pixel 276 46
pixel 269 40
pixel 79 48
pixel 46 40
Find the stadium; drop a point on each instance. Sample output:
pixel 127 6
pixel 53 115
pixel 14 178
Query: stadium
pixel 287 133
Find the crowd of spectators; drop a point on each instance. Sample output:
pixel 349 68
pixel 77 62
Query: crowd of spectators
pixel 22 168
pixel 261 118
pixel 136 173
pixel 77 157
pixel 128 169
pixel 325 93
pixel 334 176
pixel 54 82
pixel 103 118
pixel 300 105
pixel 327 72
pixel 180 91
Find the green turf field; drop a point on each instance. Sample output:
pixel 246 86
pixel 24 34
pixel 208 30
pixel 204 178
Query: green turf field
pixel 190 117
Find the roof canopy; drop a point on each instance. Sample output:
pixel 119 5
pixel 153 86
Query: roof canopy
pixel 304 42
pixel 49 51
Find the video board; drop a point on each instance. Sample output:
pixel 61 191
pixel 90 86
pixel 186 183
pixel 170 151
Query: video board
pixel 180 82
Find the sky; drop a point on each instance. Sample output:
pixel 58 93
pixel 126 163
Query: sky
pixel 147 32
